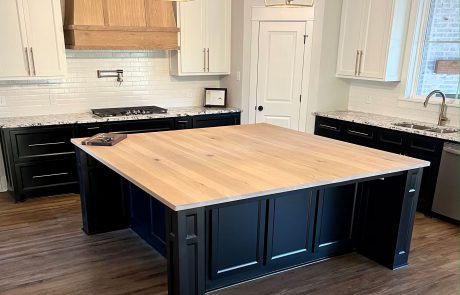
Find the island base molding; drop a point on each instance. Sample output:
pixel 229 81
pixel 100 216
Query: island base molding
pixel 211 247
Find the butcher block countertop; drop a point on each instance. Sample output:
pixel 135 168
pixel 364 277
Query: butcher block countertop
pixel 198 167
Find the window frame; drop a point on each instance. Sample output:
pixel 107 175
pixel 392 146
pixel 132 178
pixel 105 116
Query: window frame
pixel 415 65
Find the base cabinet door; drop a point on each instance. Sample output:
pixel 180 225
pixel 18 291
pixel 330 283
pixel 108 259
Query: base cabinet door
pixel 236 237
pixel 291 219
pixel 335 220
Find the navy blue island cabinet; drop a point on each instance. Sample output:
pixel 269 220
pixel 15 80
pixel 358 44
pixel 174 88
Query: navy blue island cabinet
pixel 228 204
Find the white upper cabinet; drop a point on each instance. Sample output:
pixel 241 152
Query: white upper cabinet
pixel 33 31
pixel 372 39
pixel 205 32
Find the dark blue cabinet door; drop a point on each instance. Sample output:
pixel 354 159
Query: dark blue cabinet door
pixel 236 238
pixel 335 220
pixel 290 228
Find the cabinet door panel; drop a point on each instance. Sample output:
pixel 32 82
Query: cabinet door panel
pixel 218 27
pixel 349 42
pixel 13 57
pixel 334 230
pixel 192 36
pixel 290 228
pixel 46 37
pixel 236 239
pixel 375 38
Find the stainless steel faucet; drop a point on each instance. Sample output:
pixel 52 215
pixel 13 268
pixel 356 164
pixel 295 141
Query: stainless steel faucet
pixel 442 115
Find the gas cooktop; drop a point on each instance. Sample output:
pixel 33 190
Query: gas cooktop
pixel 129 111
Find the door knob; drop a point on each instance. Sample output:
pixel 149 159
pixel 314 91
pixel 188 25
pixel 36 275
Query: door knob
pixel 260 108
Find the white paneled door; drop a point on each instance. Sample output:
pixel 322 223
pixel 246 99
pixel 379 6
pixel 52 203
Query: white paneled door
pixel 279 73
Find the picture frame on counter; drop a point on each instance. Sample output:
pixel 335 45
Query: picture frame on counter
pixel 215 97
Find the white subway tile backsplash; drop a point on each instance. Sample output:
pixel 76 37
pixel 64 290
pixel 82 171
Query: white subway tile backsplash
pixel 146 82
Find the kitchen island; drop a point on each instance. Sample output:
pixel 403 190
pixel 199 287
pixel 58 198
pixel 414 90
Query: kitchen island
pixel 229 204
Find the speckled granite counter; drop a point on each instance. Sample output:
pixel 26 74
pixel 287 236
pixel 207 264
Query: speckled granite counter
pixel 386 122
pixel 88 117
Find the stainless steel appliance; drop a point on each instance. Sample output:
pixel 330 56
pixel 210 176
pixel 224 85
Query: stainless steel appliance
pixel 129 111
pixel 447 197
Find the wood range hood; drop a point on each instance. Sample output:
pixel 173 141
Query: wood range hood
pixel 120 24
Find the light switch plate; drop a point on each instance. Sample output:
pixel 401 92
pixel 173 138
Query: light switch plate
pixel 2 100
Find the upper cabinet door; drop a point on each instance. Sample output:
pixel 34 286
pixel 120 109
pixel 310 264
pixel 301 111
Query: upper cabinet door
pixel 13 56
pixel 192 37
pixel 46 37
pixel 372 39
pixel 205 32
pixel 349 43
pixel 375 36
pixel 218 28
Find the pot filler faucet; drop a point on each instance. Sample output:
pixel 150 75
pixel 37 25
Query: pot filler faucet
pixel 442 115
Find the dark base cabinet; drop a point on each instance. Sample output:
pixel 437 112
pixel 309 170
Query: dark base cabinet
pixel 40 161
pixel 412 145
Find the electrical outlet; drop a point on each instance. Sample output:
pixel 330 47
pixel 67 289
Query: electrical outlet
pixel 2 100
pixel 238 76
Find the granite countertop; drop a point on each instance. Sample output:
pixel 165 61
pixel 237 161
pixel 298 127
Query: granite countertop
pixel 387 122
pixel 88 117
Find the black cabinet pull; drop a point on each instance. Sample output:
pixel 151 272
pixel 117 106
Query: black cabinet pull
pixel 50 175
pixel 329 127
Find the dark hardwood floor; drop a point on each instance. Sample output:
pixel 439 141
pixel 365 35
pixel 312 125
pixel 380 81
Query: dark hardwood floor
pixel 44 251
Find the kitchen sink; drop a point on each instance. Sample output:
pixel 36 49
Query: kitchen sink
pixel 439 130
pixel 412 126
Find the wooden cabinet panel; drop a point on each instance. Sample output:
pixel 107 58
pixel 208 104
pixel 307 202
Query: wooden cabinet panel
pixel 218 34
pixel 14 57
pixel 38 143
pixel 335 220
pixel 216 120
pixel 236 239
pixel 350 30
pixel 205 33
pixel 372 39
pixel 127 13
pixel 290 228
pixel 48 174
pixel 46 38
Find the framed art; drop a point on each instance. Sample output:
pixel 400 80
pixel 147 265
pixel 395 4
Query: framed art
pixel 215 97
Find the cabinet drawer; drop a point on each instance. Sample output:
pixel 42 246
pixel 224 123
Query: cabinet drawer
pixel 329 127
pixel 90 129
pixel 423 144
pixel 391 140
pixel 28 144
pixel 46 174
pixel 216 120
pixel 144 126
pixel 360 134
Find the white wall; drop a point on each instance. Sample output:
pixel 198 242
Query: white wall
pixel 146 82
pixel 388 98
pixel 325 92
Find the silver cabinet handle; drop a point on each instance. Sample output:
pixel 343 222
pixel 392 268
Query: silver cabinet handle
pixel 27 60
pixel 204 59
pixel 93 128
pixel 328 127
pixel 356 62
pixel 208 60
pixel 182 122
pixel 50 175
pixel 358 133
pixel 47 143
pixel 33 61
pixel 360 62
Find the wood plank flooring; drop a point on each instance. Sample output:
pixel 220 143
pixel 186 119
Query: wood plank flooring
pixel 44 251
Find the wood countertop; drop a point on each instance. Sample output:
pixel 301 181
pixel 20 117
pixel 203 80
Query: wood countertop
pixel 199 167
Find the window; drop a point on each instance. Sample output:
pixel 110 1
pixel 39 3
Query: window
pixel 440 54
